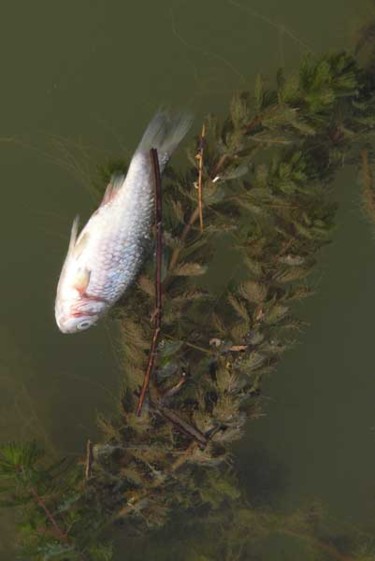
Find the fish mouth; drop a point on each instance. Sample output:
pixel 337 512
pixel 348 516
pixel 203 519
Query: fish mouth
pixel 63 322
pixel 75 323
pixel 67 328
pixel 63 327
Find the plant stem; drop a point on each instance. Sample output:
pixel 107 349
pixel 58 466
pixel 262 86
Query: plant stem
pixel 182 458
pixel 193 218
pixel 331 550
pixel 199 157
pixel 368 194
pixel 182 425
pixel 89 459
pixel 176 252
pixel 158 284
pixel 38 499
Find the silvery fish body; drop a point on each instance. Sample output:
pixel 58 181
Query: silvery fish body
pixel 103 260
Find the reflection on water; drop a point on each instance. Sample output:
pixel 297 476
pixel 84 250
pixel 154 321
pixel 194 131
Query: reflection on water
pixel 264 480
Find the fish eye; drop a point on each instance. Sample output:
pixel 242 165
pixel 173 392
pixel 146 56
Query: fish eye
pixel 84 324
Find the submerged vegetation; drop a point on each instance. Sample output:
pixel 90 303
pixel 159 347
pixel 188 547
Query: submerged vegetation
pixel 263 176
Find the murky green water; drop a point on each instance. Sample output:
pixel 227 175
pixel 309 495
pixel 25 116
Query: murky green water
pixel 79 82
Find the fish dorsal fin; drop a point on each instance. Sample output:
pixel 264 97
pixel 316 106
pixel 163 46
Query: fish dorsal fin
pixel 80 244
pixel 116 181
pixel 73 233
pixel 77 242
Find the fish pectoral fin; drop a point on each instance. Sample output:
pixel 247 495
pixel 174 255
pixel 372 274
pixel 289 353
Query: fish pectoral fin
pixel 113 187
pixel 82 279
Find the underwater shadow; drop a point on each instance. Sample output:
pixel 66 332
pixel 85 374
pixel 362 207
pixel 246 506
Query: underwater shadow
pixel 263 479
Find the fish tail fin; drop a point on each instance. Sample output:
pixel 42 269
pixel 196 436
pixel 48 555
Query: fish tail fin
pixel 165 132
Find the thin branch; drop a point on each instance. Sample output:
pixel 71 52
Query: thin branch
pixel 222 162
pixel 89 459
pixel 330 549
pixel 158 286
pixel 158 400
pixel 173 390
pixel 199 158
pixel 253 124
pixel 58 531
pixel 176 252
pixel 368 193
pixel 191 345
pixel 193 218
pixel 182 459
pixel 182 425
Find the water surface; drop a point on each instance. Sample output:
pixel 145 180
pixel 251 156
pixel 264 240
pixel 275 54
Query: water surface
pixel 79 83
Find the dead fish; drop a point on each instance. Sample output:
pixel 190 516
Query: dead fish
pixel 103 260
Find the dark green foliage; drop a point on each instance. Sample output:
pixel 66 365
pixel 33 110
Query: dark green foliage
pixel 266 175
pixel 59 516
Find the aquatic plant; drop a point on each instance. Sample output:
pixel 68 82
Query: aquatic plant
pixel 257 183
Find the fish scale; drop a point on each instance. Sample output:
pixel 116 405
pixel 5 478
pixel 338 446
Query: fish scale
pixel 104 259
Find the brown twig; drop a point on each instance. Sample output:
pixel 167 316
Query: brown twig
pixel 89 459
pixel 176 252
pixel 368 193
pixel 158 287
pixel 175 388
pixel 253 124
pixel 222 160
pixel 237 348
pixel 182 425
pixel 199 158
pixel 158 400
pixel 182 458
pixel 330 549
pixel 193 218
pixel 59 533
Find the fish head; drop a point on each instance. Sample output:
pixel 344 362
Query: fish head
pixel 75 309
pixel 75 312
pixel 73 324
